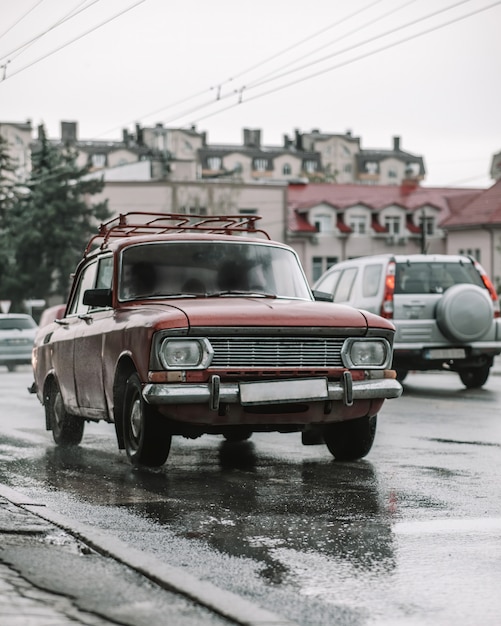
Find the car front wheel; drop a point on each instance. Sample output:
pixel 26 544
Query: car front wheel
pixel 147 441
pixel 350 440
pixel 67 430
pixel 475 376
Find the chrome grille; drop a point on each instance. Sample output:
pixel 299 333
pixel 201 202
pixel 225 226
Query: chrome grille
pixel 264 352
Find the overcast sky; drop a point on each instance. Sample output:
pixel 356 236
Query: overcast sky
pixel 374 67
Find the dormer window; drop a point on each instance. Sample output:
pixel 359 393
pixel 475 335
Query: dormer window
pixel 323 222
pixel 260 165
pixel 287 170
pixel 214 163
pixel 310 166
pixel 98 160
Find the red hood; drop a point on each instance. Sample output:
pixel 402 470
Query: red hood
pixel 231 311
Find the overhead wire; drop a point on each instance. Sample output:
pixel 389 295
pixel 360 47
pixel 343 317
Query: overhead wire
pixel 347 62
pixel 20 19
pixel 68 16
pixel 84 34
pixel 274 56
pixel 362 43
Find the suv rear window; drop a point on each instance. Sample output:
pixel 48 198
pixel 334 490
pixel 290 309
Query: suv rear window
pixel 434 277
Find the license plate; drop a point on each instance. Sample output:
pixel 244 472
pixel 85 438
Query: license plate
pixel 283 391
pixel 445 353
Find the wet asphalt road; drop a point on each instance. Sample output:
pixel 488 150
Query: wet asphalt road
pixel 410 536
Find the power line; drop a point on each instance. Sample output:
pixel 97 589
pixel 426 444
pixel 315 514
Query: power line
pixel 249 69
pixel 353 60
pixel 362 43
pixel 245 88
pixel 68 16
pixel 84 34
pixel 20 19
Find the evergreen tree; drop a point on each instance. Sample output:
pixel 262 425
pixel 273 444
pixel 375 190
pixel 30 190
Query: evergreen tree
pixel 51 225
pixel 9 195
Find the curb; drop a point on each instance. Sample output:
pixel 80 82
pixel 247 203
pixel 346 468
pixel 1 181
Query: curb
pixel 224 603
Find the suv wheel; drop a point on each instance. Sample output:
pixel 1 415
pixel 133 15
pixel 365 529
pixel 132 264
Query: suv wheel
pixel 350 440
pixel 475 376
pixel 464 313
pixel 147 441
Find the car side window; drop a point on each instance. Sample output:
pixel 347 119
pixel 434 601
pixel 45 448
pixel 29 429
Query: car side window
pixel 345 285
pixel 371 280
pixel 105 273
pixel 86 281
pixel 328 284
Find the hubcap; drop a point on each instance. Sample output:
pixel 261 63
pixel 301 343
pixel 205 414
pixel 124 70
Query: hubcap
pixel 136 420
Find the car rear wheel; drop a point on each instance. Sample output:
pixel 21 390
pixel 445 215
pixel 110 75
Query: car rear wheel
pixel 475 376
pixel 147 441
pixel 350 440
pixel 67 430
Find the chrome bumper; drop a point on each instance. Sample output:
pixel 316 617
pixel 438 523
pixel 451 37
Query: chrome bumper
pixel 289 391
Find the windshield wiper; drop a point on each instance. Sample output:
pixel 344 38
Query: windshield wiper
pixel 239 292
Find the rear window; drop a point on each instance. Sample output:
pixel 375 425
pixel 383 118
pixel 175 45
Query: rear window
pixel 434 277
pixel 17 323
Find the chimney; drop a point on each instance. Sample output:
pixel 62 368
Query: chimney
pixel 252 138
pixel 298 139
pixel 396 144
pixel 68 132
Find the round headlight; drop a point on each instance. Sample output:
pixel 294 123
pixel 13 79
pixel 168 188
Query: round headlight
pixel 364 353
pixel 184 353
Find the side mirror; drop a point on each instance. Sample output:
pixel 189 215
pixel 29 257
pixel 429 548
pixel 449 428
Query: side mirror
pixel 323 296
pixel 98 298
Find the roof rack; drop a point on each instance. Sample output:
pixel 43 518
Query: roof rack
pixel 138 223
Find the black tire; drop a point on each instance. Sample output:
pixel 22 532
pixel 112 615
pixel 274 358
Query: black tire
pixel 475 376
pixel 67 430
pixel 401 375
pixel 237 434
pixel 350 440
pixel 147 441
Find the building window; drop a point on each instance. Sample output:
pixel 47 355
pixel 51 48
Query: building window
pixel 214 163
pixel 260 165
pixel 323 223
pixel 429 225
pixel 475 253
pixel 320 264
pixel 347 168
pixel 238 168
pixel 392 173
pixel 393 224
pixel 287 170
pixel 247 211
pixel 371 167
pixel 358 224
pixel 98 160
pixel 310 166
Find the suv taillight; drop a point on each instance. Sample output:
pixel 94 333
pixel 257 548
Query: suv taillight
pixel 389 289
pixel 489 286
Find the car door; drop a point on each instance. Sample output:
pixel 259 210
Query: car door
pixel 89 339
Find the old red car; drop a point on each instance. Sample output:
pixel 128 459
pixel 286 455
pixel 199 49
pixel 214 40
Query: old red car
pixel 180 325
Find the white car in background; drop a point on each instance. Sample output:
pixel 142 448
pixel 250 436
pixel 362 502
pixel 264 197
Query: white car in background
pixel 17 334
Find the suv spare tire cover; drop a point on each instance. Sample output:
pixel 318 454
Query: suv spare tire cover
pixel 465 313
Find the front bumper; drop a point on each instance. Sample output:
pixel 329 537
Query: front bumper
pixel 215 393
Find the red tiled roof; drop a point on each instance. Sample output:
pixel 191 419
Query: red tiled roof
pixel 299 223
pixel 377 197
pixel 481 208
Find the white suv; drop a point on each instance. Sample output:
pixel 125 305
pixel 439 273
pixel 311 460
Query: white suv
pixel 445 309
